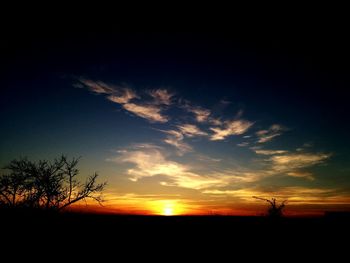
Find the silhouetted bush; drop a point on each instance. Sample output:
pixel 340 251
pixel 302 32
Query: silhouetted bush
pixel 275 210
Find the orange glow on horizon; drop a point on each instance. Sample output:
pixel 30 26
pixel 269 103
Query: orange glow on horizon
pixel 133 204
pixel 171 208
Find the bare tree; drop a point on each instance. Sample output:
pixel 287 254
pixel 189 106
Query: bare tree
pixel 13 186
pixel 275 210
pixel 46 185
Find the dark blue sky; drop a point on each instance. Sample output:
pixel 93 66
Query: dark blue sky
pixel 195 117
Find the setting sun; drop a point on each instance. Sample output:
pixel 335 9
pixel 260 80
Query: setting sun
pixel 168 207
pixel 168 211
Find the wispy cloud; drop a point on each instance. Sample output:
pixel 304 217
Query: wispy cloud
pixel 207 159
pixel 292 164
pixel 161 96
pixel 288 162
pixel 149 112
pixel 117 94
pixel 215 121
pixel 98 87
pixel 201 114
pixel 236 127
pixel 175 138
pixel 306 175
pixel 285 163
pixel 149 162
pixel 267 135
pixel 123 95
pixel 270 152
pixel 191 130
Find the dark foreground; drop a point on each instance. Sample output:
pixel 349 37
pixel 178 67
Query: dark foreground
pixel 175 234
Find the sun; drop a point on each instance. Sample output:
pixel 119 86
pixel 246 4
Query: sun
pixel 168 211
pixel 167 207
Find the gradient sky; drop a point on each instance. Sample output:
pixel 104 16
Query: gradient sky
pixel 185 123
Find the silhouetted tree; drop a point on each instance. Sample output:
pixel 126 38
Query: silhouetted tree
pixel 46 185
pixel 275 210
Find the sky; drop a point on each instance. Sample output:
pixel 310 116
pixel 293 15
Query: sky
pixel 185 123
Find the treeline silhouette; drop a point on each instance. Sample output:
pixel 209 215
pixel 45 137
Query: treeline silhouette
pixel 46 185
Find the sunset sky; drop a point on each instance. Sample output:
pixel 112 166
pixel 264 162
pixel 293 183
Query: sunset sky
pixel 185 123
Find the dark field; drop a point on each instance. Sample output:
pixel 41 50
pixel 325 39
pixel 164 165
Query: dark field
pixel 175 239
pixel 215 230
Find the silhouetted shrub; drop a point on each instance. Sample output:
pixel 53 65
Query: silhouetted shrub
pixel 275 210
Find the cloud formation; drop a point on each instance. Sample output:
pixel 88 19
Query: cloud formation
pixel 125 95
pixel 149 110
pixel 201 114
pixel 236 127
pixel 267 135
pixel 149 162
pixel 269 152
pixel 291 161
pixel 191 130
pixel 175 138
pixel 98 87
pixel 306 175
pixel 161 96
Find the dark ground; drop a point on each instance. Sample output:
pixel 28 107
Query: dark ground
pixel 200 235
